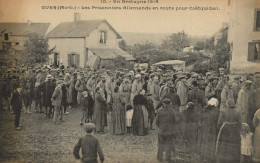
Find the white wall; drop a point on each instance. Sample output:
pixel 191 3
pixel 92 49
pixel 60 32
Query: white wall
pixel 65 46
pixel 241 32
pixel 92 41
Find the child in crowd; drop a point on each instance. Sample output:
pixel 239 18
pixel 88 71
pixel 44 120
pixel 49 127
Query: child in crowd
pixel 129 116
pixel 246 143
pixel 89 146
pixel 86 105
pixel 16 102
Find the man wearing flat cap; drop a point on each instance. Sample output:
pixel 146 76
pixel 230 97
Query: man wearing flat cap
pixel 155 90
pixel 236 86
pixel 90 147
pixel 243 101
pixel 80 86
pixel 166 121
pixel 182 91
pixel 48 88
pixel 37 91
pixel 210 90
pixel 56 102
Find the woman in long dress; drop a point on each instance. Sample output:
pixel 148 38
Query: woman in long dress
pixel 208 130
pixel 140 115
pixel 191 127
pixel 118 113
pixel 256 141
pixel 99 111
pixel 228 140
pixel 125 89
pixel 72 98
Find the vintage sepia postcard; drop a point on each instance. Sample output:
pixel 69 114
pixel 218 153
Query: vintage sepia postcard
pixel 129 81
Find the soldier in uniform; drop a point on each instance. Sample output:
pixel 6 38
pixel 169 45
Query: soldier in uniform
pixel 38 92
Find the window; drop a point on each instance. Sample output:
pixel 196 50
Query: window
pixel 17 43
pixel 254 51
pixel 257 20
pixel 73 60
pixel 6 36
pixel 102 39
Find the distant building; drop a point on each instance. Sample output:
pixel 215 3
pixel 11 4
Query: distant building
pixel 14 35
pixel 244 35
pixel 85 42
pixel 218 35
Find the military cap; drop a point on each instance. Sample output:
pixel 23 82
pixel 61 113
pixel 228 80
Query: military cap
pixel 166 101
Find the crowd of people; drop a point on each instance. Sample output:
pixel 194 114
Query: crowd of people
pixel 215 113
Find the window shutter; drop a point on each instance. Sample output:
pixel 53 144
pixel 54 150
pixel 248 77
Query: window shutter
pixel 105 37
pixel 69 59
pixel 77 60
pixel 251 51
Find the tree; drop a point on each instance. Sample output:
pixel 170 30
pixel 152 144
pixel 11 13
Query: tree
pixel 210 44
pixel 176 41
pixel 123 45
pixel 222 52
pixel 142 52
pixel 36 50
pixel 200 45
pixel 9 58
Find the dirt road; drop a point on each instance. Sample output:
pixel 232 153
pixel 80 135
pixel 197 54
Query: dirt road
pixel 42 141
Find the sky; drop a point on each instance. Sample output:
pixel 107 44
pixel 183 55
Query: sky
pixel 193 22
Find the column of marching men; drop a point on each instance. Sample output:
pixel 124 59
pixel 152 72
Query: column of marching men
pixel 216 113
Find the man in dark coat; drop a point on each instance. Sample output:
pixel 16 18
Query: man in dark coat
pixel 16 102
pixel 26 96
pixel 31 77
pixel 56 102
pixel 197 97
pixel 48 88
pixel 165 121
pixel 38 91
pixel 89 146
pixel 172 95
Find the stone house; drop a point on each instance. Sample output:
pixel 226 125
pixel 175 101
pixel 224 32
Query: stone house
pixel 14 35
pixel 85 42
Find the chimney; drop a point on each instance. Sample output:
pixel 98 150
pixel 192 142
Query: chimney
pixel 76 16
pixel 29 22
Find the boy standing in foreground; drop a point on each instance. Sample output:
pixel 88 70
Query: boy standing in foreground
pixel 90 147
pixel 17 105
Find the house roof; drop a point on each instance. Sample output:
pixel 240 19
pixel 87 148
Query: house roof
pixel 104 53
pixel 80 28
pixel 22 29
pixel 124 54
pixel 112 53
